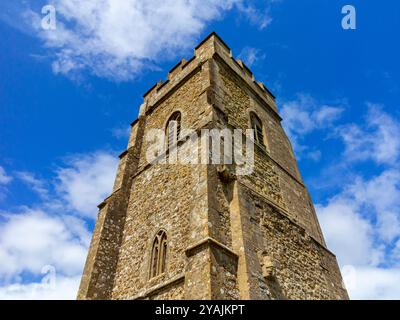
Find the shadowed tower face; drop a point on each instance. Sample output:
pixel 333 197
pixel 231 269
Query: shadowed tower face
pixel 203 230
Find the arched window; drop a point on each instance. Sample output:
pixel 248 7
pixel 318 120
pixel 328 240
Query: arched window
pixel 173 128
pixel 257 126
pixel 159 254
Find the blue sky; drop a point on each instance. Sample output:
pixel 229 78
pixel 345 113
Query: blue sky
pixel 67 97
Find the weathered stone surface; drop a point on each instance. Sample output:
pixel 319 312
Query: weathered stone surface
pixel 229 236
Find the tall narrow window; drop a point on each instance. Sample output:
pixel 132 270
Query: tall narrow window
pixel 159 254
pixel 257 126
pixel 173 129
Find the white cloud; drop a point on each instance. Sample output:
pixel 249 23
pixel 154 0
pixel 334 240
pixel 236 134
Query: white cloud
pixel 121 132
pixel 347 233
pixel 32 239
pixel 251 56
pixel 260 18
pixel 396 254
pixel 372 283
pixel 120 39
pixel 314 155
pixel 65 288
pixel 86 181
pixel 52 232
pixel 81 183
pixel 304 116
pixel 364 216
pixel 381 194
pixel 361 225
pixel 4 178
pixel 35 184
pixel 377 140
pixel 326 115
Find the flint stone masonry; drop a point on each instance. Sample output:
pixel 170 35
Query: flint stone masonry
pixel 229 236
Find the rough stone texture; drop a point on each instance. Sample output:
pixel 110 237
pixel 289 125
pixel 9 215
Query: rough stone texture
pixel 157 209
pixel 303 269
pixel 229 236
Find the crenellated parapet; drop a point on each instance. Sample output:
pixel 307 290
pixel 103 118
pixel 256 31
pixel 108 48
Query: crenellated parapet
pixel 211 47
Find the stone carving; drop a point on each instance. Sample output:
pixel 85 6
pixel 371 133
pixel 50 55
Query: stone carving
pixel 267 266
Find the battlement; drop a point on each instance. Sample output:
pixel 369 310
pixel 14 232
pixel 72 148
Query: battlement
pixel 207 49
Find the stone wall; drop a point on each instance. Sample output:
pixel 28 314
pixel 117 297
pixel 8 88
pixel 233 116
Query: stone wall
pixel 173 291
pixel 275 174
pixel 229 236
pixel 302 267
pixel 162 196
pixel 189 99
pixel 165 204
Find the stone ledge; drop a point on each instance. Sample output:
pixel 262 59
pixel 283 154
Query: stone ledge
pixel 145 293
pixel 210 242
pixel 134 121
pixel 102 204
pixel 123 154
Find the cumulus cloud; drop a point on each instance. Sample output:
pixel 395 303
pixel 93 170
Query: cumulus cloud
pixel 120 39
pixel 80 183
pixel 54 232
pixel 64 288
pixel 32 239
pixel 372 283
pixel 362 226
pixel 361 223
pixel 305 115
pixel 381 194
pixel 86 181
pixel 377 140
pixel 347 232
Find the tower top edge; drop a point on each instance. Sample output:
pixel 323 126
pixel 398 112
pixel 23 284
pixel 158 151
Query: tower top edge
pixel 210 45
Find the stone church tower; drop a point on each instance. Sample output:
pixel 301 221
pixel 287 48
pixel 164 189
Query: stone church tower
pixel 202 231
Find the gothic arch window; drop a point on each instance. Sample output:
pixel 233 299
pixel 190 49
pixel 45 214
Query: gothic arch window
pixel 173 129
pixel 158 254
pixel 258 128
